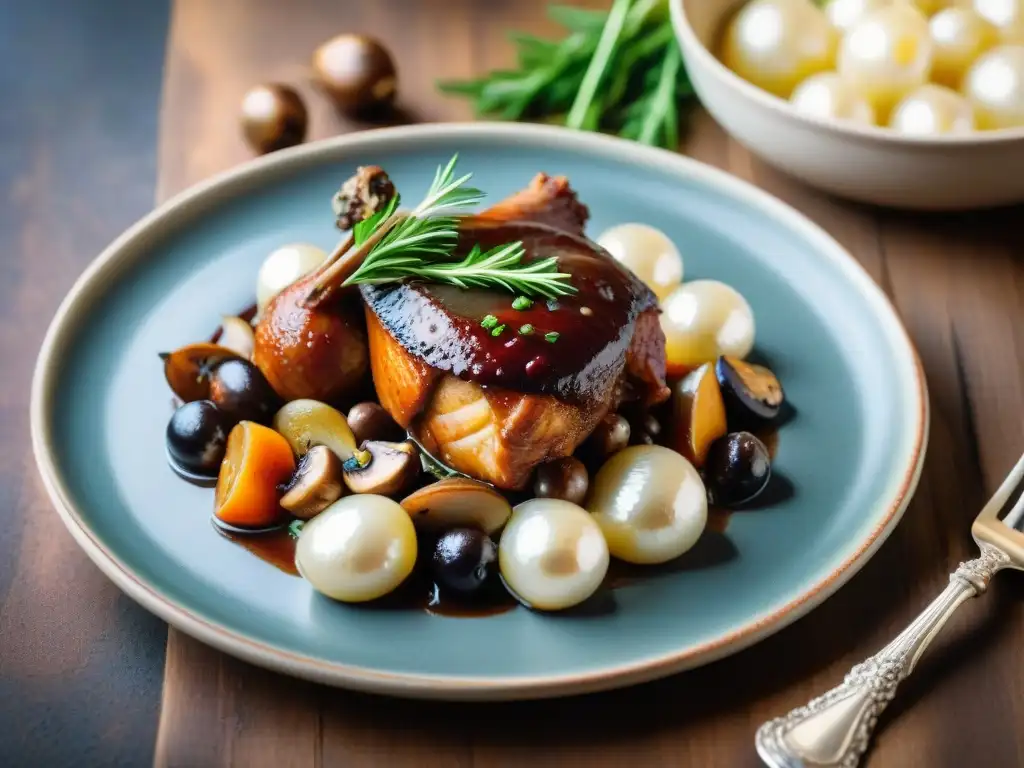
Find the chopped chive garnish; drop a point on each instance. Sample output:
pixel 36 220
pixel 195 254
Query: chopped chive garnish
pixel 552 305
pixel 525 330
pixel 521 303
pixel 489 322
pixel 551 337
pixel 498 331
pixel 295 528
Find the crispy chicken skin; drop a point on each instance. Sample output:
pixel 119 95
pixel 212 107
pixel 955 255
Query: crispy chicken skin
pixel 547 200
pixel 469 398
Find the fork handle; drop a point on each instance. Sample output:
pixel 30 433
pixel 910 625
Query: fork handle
pixel 834 729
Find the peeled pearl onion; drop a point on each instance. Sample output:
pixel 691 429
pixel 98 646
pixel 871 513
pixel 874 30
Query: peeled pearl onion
pixel 828 96
pixel 650 503
pixel 932 110
pixel 552 554
pixel 359 548
pixel 1006 15
pixel 704 319
pixel 845 13
pixel 283 267
pixel 648 253
pixel 995 86
pixel 776 44
pixel 927 7
pixel 886 55
pixel 959 36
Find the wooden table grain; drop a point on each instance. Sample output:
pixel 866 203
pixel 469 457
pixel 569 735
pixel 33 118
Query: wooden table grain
pixel 957 282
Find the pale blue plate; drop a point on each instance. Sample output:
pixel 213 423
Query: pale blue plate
pixel 852 453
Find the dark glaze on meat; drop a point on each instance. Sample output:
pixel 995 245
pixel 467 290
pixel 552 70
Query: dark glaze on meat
pixel 441 324
pixel 494 407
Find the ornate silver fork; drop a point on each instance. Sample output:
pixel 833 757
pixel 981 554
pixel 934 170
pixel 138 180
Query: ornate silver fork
pixel 835 728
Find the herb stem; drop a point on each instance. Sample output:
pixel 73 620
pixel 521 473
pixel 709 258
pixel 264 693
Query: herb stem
pixel 603 75
pixel 346 260
pixel 663 103
pixel 595 70
pixel 391 246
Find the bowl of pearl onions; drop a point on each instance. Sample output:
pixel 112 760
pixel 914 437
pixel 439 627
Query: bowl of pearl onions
pixel 915 104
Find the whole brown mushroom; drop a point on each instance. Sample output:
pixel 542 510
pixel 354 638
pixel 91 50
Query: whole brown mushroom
pixel 273 117
pixel 369 421
pixel 564 478
pixel 357 72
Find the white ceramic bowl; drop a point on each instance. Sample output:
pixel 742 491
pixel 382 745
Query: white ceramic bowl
pixel 873 165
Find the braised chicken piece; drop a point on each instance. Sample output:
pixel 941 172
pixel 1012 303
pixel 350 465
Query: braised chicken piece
pixel 492 390
pixel 317 353
pixel 318 350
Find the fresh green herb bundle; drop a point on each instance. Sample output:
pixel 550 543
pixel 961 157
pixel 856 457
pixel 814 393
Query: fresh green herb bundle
pixel 419 245
pixel 618 71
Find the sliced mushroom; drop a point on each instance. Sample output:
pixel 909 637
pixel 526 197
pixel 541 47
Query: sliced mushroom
pixel 188 369
pixel 316 484
pixel 752 393
pixel 457 502
pixel 237 335
pixel 698 414
pixel 382 468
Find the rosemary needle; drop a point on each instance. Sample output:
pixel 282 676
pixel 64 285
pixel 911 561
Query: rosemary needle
pixel 420 246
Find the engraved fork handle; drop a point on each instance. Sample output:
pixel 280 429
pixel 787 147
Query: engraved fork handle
pixel 834 729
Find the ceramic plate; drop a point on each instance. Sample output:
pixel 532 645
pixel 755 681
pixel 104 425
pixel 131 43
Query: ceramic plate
pixel 849 459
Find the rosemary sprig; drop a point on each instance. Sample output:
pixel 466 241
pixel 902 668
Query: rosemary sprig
pixel 419 245
pixel 618 71
pixel 501 267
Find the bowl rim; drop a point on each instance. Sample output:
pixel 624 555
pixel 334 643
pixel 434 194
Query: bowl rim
pixel 182 207
pixel 693 46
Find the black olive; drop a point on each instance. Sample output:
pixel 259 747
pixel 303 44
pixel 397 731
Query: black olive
pixel 197 436
pixel 465 560
pixel 737 469
pixel 565 479
pixel 752 393
pixel 239 389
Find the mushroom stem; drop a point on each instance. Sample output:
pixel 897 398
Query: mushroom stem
pixel 342 263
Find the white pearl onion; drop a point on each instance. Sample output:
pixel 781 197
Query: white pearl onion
pixel 359 548
pixel 886 55
pixel 776 44
pixel 1006 15
pixel 552 554
pixel 845 13
pixel 995 86
pixel 959 35
pixel 648 253
pixel 651 504
pixel 283 267
pixel 826 95
pixel 932 110
pixel 703 319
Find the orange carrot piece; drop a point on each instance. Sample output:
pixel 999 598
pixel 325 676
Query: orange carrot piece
pixel 257 461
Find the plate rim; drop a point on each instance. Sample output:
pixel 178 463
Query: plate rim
pixel 442 686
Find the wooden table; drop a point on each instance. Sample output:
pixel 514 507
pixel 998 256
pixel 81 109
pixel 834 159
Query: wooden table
pixel 80 665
